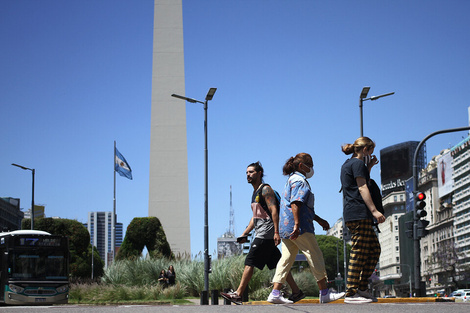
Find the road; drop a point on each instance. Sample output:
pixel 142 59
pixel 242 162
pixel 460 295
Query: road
pixel 296 308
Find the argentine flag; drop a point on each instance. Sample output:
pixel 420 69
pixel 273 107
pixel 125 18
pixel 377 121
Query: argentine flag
pixel 121 166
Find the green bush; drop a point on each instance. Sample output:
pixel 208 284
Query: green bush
pixel 144 232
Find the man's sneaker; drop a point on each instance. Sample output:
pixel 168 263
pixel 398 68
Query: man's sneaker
pixel 295 297
pixel 367 295
pixel 330 296
pixel 357 299
pixel 232 296
pixel 278 299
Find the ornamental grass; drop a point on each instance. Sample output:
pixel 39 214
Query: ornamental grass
pixel 137 280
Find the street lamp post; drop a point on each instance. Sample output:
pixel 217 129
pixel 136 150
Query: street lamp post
pixel 209 96
pixel 32 196
pixel 363 97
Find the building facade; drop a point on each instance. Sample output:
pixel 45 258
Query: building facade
pixel 445 250
pixel 390 264
pixel 10 214
pixel 439 237
pixel 396 165
pixel 227 246
pixel 337 229
pixel 39 212
pixel 461 201
pixel 100 228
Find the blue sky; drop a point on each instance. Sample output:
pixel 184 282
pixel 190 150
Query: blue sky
pixel 76 75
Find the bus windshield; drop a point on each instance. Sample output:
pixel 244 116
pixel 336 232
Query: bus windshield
pixel 39 263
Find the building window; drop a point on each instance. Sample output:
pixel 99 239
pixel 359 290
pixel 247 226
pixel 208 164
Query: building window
pixel 394 198
pixel 396 238
pixel 398 259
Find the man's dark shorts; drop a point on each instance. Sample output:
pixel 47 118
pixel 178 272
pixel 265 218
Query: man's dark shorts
pixel 263 252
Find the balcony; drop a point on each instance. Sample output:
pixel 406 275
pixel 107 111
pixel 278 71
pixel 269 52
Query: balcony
pixel 459 183
pixel 462 219
pixel 461 206
pixel 461 170
pixel 461 194
pixel 461 158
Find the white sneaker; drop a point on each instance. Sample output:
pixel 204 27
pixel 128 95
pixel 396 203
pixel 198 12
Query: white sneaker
pixel 357 299
pixel 367 295
pixel 278 299
pixel 330 296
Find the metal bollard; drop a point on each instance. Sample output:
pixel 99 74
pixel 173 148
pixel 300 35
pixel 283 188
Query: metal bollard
pixel 245 295
pixel 227 302
pixel 214 297
pixel 204 297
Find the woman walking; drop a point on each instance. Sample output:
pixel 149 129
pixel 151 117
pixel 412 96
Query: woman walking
pixel 358 213
pixel 297 213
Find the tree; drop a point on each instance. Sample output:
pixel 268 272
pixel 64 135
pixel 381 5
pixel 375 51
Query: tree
pixel 333 254
pixel 141 232
pixel 79 244
pixel 449 267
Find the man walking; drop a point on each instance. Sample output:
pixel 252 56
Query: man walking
pixel 263 251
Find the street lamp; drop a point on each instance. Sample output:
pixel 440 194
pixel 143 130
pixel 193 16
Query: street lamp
pixel 32 196
pixel 363 97
pixel 209 96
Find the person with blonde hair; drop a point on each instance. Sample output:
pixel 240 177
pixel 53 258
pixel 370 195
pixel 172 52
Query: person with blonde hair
pixel 358 213
pixel 296 229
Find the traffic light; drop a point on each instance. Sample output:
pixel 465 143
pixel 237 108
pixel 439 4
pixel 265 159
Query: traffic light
pixel 422 231
pixel 409 229
pixel 420 204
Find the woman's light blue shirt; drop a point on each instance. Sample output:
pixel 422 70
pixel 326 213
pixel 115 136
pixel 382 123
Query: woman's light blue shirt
pixel 296 189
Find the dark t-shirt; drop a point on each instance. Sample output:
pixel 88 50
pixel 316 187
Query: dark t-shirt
pixel 354 207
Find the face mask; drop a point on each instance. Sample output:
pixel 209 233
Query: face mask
pixel 310 173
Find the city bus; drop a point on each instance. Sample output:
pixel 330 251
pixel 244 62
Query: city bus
pixel 34 268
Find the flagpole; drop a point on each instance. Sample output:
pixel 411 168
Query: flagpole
pixel 113 218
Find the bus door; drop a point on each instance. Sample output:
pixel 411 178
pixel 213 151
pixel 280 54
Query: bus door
pixel 3 273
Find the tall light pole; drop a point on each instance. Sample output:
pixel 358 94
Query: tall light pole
pixel 32 196
pixel 209 96
pixel 363 97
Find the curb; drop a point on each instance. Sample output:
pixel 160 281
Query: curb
pixel 380 300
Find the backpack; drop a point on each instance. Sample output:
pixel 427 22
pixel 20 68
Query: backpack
pixel 376 196
pixel 276 194
pixel 377 199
